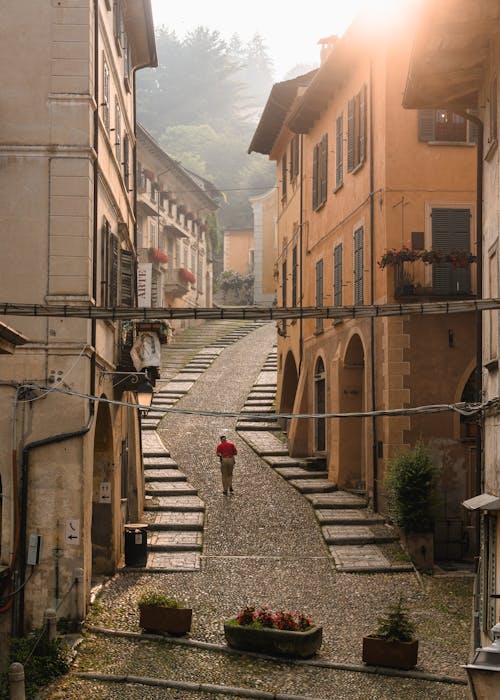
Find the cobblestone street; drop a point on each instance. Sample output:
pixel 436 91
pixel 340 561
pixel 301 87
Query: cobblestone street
pixel 261 546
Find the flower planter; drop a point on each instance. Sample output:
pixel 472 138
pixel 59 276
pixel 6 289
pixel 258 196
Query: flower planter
pixel 287 643
pixel 380 652
pixel 175 621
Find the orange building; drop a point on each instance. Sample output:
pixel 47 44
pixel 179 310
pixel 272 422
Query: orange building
pixel 358 176
pixel 239 250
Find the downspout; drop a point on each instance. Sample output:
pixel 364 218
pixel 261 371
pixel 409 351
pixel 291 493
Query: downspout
pixel 301 239
pixel 18 621
pixel 372 296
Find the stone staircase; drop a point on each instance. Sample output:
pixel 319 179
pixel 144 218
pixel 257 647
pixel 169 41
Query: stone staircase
pixel 173 510
pixel 352 533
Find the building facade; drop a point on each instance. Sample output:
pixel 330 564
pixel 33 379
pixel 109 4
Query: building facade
pixel 71 466
pixel 463 75
pixel 264 209
pixel 174 210
pixel 366 192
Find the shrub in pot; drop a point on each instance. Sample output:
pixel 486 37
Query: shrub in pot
pixel 393 643
pixel 160 613
pixel 411 482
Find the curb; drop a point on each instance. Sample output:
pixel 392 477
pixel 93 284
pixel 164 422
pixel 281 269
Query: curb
pixel 210 646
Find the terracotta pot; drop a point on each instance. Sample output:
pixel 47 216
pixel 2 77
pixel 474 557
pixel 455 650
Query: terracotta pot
pixel 274 642
pixel 380 652
pixel 175 621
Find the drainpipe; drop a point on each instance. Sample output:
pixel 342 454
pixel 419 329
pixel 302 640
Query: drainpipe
pixel 372 295
pixel 301 239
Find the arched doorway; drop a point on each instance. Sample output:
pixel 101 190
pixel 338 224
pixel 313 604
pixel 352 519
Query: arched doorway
pixel 102 494
pixel 289 384
pixel 319 406
pixel 351 431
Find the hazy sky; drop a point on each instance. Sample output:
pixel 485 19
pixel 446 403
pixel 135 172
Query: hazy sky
pixel 290 42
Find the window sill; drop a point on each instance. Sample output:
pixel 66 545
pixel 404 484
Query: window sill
pixel 357 168
pixel 337 321
pixel 492 148
pixel 320 206
pixel 339 187
pixel 467 144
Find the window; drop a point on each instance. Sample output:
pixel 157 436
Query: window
pixel 126 161
pixel 339 151
pixel 294 158
pixel 127 62
pixel 294 277
pixel 127 278
pixel 118 133
pixel 450 231
pixel 337 275
pixel 117 25
pixel 445 125
pixel 320 172
pixel 105 96
pixel 283 177
pixel 117 271
pixel 356 130
pixel 358 266
pixel 319 293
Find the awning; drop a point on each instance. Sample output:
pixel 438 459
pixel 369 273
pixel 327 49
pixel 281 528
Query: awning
pixel 485 501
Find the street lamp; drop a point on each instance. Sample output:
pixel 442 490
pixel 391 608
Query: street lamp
pixel 484 671
pixel 144 393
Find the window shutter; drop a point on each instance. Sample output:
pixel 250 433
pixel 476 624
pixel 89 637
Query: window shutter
pixel 296 156
pixel 337 275
pixel 283 283
pixel 315 178
pixel 358 266
pixel 127 278
pixel 339 151
pixel 362 124
pixel 113 270
pixel 426 124
pixel 126 161
pixel 283 176
pixel 319 292
pixel 324 168
pixel 473 128
pixel 450 230
pixel 294 277
pixel 350 135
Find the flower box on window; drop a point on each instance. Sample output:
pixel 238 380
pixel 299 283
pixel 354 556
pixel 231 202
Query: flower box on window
pixel 187 275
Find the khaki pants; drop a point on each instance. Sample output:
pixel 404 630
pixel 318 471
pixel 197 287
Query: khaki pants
pixel 226 467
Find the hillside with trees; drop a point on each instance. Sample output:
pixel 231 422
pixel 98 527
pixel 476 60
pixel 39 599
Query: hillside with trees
pixel 202 104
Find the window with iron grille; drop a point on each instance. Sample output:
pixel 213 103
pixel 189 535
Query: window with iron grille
pixel 319 293
pixel 356 130
pixel 339 151
pixel 337 275
pixel 320 173
pixel 358 266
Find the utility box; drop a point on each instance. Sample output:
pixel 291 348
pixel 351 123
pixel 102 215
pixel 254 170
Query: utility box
pixel 136 544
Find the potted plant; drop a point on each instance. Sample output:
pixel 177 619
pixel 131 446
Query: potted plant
pixel 411 484
pixel 393 643
pixel 160 613
pixel 280 633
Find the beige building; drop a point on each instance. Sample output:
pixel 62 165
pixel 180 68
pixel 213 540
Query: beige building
pixel 174 208
pixel 67 218
pixel 264 208
pixel 461 74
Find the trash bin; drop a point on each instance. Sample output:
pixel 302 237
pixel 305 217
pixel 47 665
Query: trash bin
pixel 136 544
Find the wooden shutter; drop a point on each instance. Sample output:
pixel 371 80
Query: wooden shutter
pixel 450 231
pixel 113 270
pixel 324 168
pixel 426 124
pixel 126 161
pixel 350 135
pixel 337 275
pixel 358 266
pixel 472 127
pixel 339 151
pixel 294 277
pixel 127 277
pixel 283 284
pixel 319 292
pixel 315 178
pixel 362 125
pixel 283 176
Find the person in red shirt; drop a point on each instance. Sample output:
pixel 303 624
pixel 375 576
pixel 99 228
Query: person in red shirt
pixel 225 452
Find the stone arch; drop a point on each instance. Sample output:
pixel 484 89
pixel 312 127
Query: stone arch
pixel 319 405
pixel 102 493
pixel 351 430
pixel 289 384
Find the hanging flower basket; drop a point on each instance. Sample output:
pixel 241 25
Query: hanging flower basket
pixel 187 275
pixel 158 255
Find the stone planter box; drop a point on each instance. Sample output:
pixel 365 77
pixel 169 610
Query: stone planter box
pixel 274 642
pixel 380 652
pixel 175 621
pixel 420 546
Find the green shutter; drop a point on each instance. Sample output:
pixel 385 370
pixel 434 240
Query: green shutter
pixel 324 168
pixel 339 151
pixel 127 277
pixel 450 231
pixel 315 178
pixel 113 270
pixel 350 135
pixel 337 275
pixel 358 267
pixel 426 124
pixel 362 124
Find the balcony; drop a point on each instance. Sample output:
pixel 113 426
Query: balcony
pixel 177 281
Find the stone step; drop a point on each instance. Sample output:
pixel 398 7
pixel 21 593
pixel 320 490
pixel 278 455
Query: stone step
pixel 313 486
pixel 357 534
pixel 163 475
pixel 149 425
pixel 176 503
pixel 173 561
pixel 170 488
pixel 172 541
pixel 284 461
pixel 161 462
pixel 260 410
pixel 338 499
pixel 299 473
pixel 347 516
pixel 176 520
pixel 364 558
pixel 244 426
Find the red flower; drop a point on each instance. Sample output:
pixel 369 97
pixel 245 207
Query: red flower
pixel 187 275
